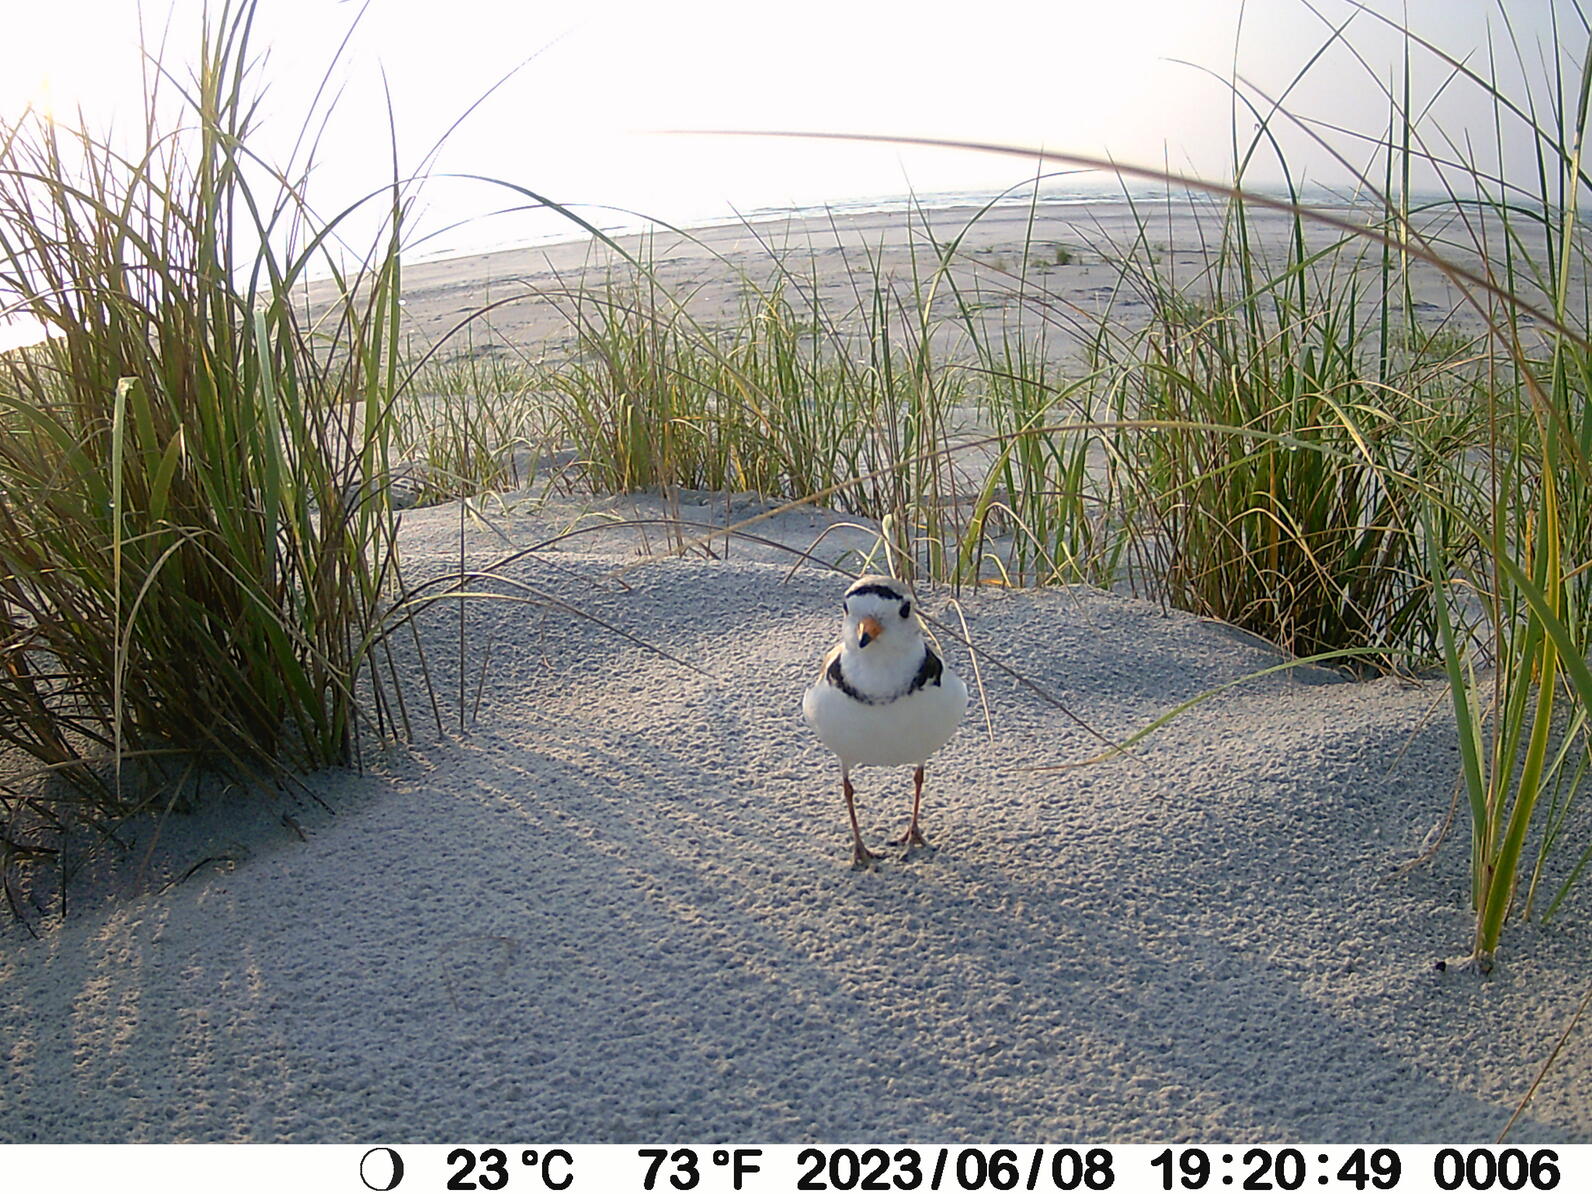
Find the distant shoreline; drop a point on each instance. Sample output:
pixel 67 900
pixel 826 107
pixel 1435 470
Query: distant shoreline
pixel 1018 196
pixel 1071 264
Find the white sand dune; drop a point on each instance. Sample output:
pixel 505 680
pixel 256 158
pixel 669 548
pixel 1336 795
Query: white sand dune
pixel 620 908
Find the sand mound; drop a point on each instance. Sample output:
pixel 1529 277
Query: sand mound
pixel 618 907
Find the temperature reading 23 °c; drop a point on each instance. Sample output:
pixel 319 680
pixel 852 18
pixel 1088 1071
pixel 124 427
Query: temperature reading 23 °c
pixel 490 1170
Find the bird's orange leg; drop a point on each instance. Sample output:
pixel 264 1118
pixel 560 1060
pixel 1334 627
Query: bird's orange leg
pixel 912 837
pixel 861 856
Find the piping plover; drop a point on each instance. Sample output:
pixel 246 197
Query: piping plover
pixel 883 698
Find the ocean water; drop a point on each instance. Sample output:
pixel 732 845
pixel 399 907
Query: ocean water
pixel 1068 189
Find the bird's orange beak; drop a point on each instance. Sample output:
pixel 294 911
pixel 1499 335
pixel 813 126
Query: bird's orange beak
pixel 868 630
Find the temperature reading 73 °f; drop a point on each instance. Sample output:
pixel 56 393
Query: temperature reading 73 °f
pixel 681 1168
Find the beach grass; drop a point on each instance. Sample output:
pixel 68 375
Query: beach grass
pixel 196 547
pixel 468 423
pixel 788 397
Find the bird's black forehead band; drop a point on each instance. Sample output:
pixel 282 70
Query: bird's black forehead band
pixel 875 591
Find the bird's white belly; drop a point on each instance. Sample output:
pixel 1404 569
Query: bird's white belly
pixel 905 731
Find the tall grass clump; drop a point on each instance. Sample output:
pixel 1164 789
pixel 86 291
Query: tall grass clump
pixel 1523 726
pixel 788 398
pixel 1042 514
pixel 467 424
pixel 1316 464
pixel 1279 474
pixel 195 546
pixel 1043 511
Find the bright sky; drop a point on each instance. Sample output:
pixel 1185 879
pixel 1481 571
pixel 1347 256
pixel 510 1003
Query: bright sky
pixel 1093 76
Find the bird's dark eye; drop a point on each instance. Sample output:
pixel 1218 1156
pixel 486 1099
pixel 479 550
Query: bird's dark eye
pixel 906 609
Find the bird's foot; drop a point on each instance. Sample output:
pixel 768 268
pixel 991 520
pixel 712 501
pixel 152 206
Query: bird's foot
pixel 862 858
pixel 912 837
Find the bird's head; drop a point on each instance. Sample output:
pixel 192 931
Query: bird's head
pixel 879 614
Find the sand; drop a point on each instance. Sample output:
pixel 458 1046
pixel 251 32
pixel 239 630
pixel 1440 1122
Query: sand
pixel 617 904
pixel 710 270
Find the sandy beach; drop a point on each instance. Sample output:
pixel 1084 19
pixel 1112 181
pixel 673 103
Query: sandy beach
pixel 614 904
pixel 1007 255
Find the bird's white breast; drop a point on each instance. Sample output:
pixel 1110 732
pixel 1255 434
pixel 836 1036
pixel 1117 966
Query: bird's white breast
pixel 900 732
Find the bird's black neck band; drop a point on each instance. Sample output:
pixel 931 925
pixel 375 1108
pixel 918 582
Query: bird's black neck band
pixel 929 673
